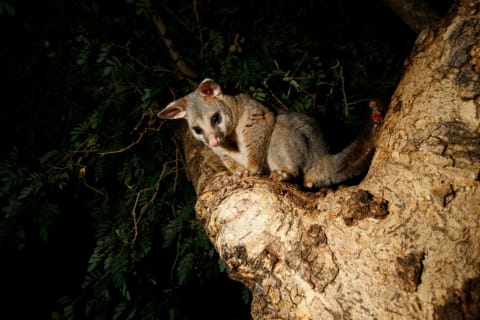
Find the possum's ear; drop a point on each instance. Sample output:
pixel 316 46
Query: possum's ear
pixel 175 110
pixel 209 88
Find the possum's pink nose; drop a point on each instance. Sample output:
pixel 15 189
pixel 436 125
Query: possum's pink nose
pixel 215 142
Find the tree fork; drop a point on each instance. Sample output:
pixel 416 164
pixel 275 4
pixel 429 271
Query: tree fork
pixel 405 242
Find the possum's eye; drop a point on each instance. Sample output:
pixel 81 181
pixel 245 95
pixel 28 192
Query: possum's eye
pixel 216 118
pixel 197 130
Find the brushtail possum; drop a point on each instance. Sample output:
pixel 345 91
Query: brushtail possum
pixel 251 139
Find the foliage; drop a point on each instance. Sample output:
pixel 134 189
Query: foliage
pixel 92 183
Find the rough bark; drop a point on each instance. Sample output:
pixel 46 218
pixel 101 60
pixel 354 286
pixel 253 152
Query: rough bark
pixel 405 242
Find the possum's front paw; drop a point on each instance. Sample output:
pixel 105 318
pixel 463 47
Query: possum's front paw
pixel 241 173
pixel 279 175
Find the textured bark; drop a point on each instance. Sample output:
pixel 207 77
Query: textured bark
pixel 405 243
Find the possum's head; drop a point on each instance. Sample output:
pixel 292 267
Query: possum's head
pixel 210 119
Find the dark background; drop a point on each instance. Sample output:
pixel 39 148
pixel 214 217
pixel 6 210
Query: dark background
pixel 84 77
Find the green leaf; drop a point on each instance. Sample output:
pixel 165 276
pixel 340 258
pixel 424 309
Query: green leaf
pixel 185 267
pixel 107 70
pixel 222 265
pixel 92 141
pixel 10 9
pixel 119 309
pixel 246 295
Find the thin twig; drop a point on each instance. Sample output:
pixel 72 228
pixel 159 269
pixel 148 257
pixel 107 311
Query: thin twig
pixel 358 101
pixel 156 187
pixel 342 80
pixel 178 159
pixel 199 27
pixel 85 183
pixel 134 143
pixel 299 64
pixel 278 100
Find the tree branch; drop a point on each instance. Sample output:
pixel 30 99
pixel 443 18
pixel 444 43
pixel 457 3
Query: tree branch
pixel 181 64
pixel 405 243
pixel 417 14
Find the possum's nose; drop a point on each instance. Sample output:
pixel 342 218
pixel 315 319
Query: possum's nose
pixel 214 142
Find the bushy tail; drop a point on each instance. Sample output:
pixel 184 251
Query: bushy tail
pixel 351 161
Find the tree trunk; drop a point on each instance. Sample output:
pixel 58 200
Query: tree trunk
pixel 405 243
